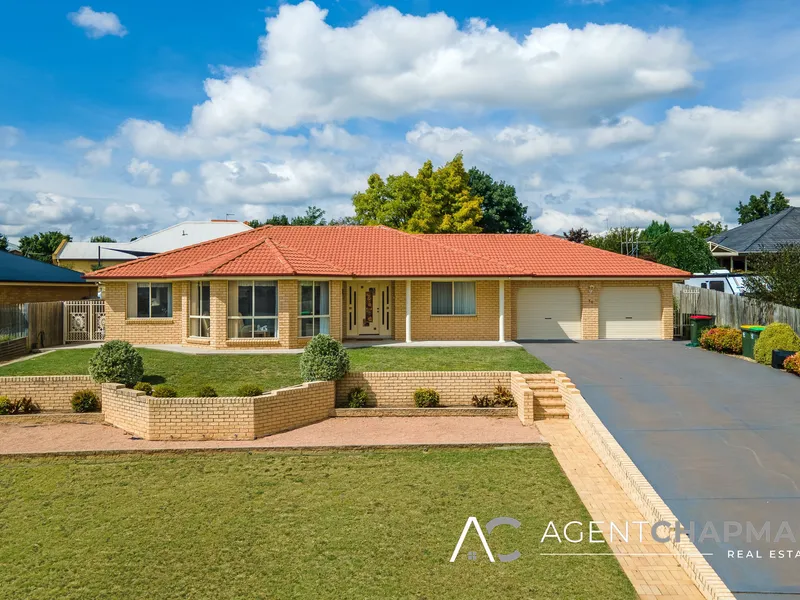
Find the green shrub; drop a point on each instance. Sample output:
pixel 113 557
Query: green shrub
pixel 722 339
pixel 145 387
pixel 5 405
pixel 324 359
pixel 792 363
pixel 426 398
pixel 118 362
pixel 249 389
pixel 23 406
pixel 357 398
pixel 162 390
pixel 207 391
pixel 85 401
pixel 504 397
pixel 777 336
pixel 484 401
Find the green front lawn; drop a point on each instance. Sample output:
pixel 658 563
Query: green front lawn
pixel 226 372
pixel 335 525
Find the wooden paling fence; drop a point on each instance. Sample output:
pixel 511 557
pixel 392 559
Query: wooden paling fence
pixel 41 323
pixel 728 309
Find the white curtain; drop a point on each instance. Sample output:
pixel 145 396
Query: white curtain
pixel 464 298
pixel 442 298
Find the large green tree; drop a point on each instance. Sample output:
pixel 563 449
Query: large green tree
pixel 102 239
pixel 41 246
pixel 683 250
pixel 622 240
pixel 502 211
pixel 579 236
pixel 761 206
pixel 3 243
pixel 655 230
pixel 706 229
pixel 435 201
pixel 313 216
pixel 776 276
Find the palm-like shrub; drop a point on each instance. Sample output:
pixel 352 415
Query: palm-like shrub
pixel 324 359
pixel 117 362
pixel 776 336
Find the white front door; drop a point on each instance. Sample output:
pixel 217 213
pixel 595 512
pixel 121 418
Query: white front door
pixel 368 308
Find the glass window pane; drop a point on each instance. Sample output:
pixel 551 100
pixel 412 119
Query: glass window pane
pixel 194 299
pixel 143 300
pixel 306 327
pixel 321 297
pixel 161 300
pixel 322 325
pixel 200 327
pixel 266 299
pixel 205 298
pixel 464 298
pixel 265 328
pixel 244 302
pixel 307 298
pixel 441 298
pixel 239 328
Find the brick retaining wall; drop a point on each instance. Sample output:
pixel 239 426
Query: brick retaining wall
pixel 50 392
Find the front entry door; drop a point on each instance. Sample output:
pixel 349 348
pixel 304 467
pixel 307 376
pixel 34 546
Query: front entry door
pixel 368 304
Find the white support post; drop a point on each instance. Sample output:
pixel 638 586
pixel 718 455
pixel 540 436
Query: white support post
pixel 502 311
pixel 408 311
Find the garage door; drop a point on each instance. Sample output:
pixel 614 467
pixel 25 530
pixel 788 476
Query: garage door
pixel 630 313
pixel 549 314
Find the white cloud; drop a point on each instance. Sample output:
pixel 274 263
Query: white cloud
pixel 145 172
pixel 80 142
pixel 14 169
pixel 97 24
pixel 626 130
pixel 9 136
pixel 337 138
pixel 125 214
pixel 181 178
pixel 54 209
pixel 99 156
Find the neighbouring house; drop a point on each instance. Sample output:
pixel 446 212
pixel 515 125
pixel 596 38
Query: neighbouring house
pixel 89 256
pixel 732 247
pixel 25 280
pixel 277 286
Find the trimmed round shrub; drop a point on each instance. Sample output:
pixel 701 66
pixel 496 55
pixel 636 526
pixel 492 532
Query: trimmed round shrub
pixel 792 363
pixel 777 336
pixel 162 390
pixel 249 389
pixel 426 398
pixel 207 391
pixel 722 339
pixel 324 359
pixel 357 398
pixel 145 387
pixel 116 362
pixel 84 401
pixel 6 405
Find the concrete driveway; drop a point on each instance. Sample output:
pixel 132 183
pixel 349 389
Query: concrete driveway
pixel 716 436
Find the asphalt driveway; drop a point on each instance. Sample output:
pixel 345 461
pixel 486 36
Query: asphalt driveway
pixel 717 437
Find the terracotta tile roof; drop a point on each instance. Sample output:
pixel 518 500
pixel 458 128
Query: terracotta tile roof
pixel 377 251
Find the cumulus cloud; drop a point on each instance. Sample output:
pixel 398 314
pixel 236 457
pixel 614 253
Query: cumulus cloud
pixel 181 178
pixel 99 156
pixel 144 172
pixel 9 136
pixel 97 24
pixel 14 169
pixel 336 138
pixel 125 214
pixel 54 208
pixel 625 130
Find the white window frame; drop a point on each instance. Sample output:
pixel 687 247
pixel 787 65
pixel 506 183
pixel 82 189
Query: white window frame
pixel 253 317
pixel 315 318
pixel 134 285
pixel 452 312
pixel 197 287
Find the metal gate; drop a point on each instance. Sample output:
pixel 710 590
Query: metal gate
pixel 84 321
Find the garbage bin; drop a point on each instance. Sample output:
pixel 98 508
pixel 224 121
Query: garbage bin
pixel 750 334
pixel 699 322
pixel 779 356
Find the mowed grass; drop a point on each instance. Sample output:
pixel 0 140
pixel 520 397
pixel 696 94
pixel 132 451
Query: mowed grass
pixel 226 372
pixel 355 525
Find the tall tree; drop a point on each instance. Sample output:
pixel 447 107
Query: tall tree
pixel 102 239
pixel 41 246
pixel 683 250
pixel 435 201
pixel 3 243
pixel 622 240
pixel 776 276
pixel 502 211
pixel 761 206
pixel 706 229
pixel 655 230
pixel 313 216
pixel 579 236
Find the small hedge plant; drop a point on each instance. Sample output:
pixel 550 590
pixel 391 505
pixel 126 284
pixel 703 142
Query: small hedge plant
pixel 324 359
pixel 249 389
pixel 207 391
pixel 484 401
pixel 145 387
pixel 504 397
pixel 722 339
pixel 162 390
pixel 117 362
pixel 792 363
pixel 84 401
pixel 357 398
pixel 426 398
pixel 23 406
pixel 776 336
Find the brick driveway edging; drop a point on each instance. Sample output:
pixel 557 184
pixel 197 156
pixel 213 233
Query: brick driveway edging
pixel 636 486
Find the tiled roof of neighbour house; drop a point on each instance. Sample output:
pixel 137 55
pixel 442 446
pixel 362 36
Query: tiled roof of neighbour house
pixel 763 234
pixel 21 269
pixel 377 251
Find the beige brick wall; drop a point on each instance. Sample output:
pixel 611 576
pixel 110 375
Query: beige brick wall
pixel 396 389
pixel 523 395
pixel 217 418
pixel 52 392
pixel 144 331
pixel 21 294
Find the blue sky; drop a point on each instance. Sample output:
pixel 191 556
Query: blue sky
pixel 629 111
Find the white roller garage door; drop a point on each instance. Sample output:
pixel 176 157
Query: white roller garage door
pixel 630 313
pixel 549 313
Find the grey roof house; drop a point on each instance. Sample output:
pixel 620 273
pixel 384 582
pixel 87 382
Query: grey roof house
pixel 731 247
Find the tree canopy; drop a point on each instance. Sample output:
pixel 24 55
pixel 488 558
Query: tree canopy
pixel 3 243
pixel 622 240
pixel 313 216
pixel 102 239
pixel 706 229
pixel 502 211
pixel 683 250
pixel 41 246
pixel 655 230
pixel 776 276
pixel 761 206
pixel 579 236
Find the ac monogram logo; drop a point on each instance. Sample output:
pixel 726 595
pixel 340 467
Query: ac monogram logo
pixel 473 522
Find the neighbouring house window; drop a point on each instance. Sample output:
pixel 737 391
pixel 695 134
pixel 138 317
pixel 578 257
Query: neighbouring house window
pixel 718 286
pixel 200 309
pixel 149 300
pixel 253 309
pixel 314 308
pixel 453 298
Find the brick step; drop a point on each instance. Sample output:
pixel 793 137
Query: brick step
pixel 547 394
pixel 550 413
pixel 556 402
pixel 539 377
pixel 542 385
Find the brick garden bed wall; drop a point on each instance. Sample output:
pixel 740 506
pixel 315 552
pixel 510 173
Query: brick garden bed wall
pixel 217 418
pixel 50 392
pixel 13 349
pixel 396 389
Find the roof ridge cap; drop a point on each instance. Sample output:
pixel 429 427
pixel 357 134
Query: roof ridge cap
pixel 239 250
pixel 281 257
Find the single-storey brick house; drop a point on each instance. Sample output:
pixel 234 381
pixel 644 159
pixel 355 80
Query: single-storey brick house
pixel 277 286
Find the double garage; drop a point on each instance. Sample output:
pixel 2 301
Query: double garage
pixel 554 313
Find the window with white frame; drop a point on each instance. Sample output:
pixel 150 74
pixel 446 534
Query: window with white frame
pixel 314 308
pixel 200 309
pixel 149 300
pixel 453 298
pixel 253 309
